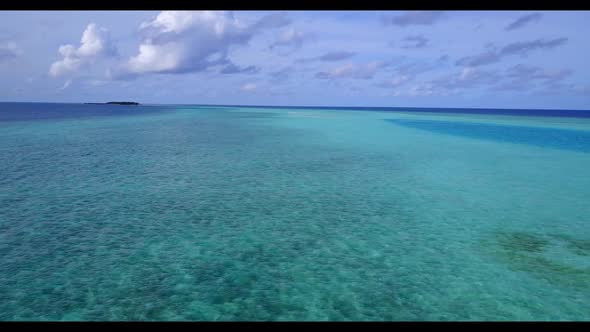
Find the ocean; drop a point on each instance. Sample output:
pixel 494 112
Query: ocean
pixel 234 213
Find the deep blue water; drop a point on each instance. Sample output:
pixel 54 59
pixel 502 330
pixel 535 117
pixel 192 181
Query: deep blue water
pixel 15 111
pixel 492 111
pixel 566 139
pixel 55 111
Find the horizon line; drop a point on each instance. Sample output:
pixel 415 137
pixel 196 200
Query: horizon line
pixel 313 106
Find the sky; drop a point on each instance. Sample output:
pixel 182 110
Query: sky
pixel 481 59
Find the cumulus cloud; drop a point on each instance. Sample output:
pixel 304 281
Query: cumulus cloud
pixel 353 71
pixel 8 50
pixel 414 18
pixel 178 42
pixel 522 21
pixel 415 42
pixel 494 55
pixel 95 42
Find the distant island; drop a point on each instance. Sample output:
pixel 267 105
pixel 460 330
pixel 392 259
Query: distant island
pixel 115 103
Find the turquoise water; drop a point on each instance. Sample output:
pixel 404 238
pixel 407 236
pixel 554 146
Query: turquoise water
pixel 226 213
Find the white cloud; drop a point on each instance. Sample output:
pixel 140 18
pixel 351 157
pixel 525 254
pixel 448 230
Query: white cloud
pixel 467 73
pixel 249 87
pixel 95 42
pixel 9 50
pixel 66 85
pixel 191 41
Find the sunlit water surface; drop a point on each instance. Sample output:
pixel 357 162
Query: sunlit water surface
pixel 228 213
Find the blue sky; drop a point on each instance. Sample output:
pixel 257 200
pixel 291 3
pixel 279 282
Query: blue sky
pixel 503 59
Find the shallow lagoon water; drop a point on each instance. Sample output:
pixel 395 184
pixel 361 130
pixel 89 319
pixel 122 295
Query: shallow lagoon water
pixel 227 213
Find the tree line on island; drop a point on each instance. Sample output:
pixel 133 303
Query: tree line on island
pixel 115 103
